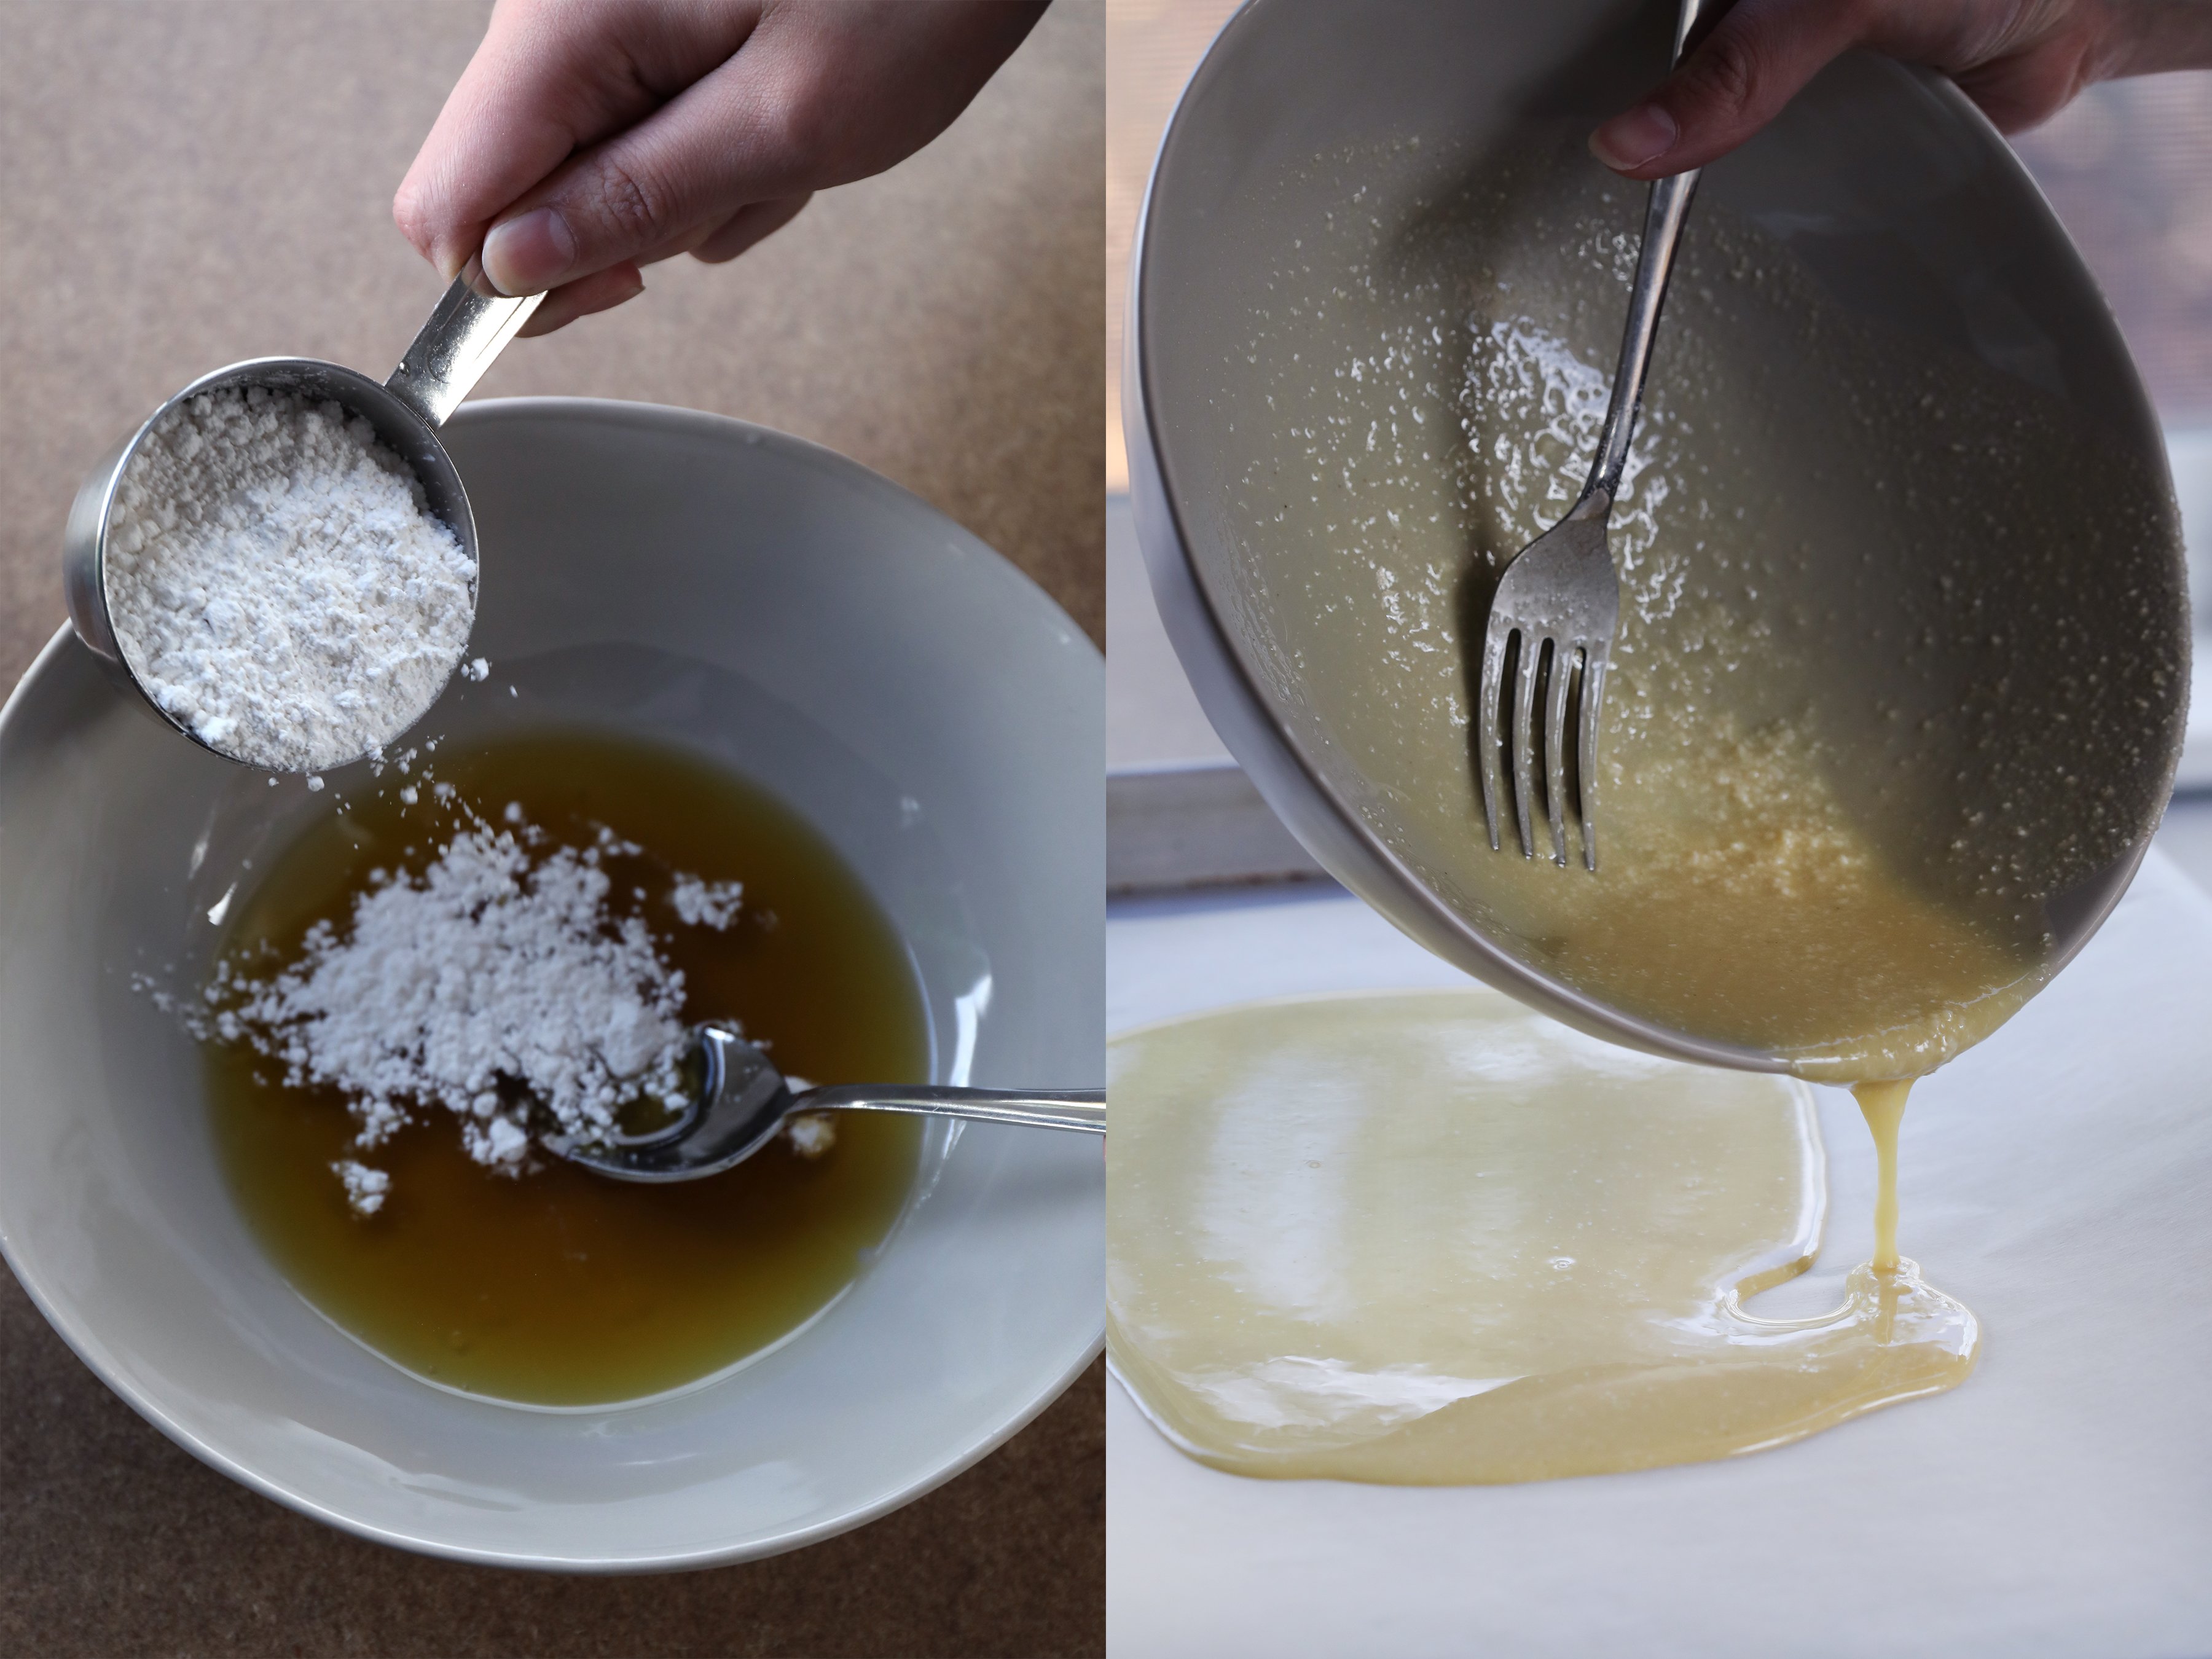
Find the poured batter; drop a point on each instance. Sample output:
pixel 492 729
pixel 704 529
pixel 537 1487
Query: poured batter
pixel 1857 780
pixel 1436 1239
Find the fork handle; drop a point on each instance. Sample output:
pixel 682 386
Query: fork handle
pixel 1654 263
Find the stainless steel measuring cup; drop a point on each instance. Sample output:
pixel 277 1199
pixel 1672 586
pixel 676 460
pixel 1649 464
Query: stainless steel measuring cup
pixel 471 325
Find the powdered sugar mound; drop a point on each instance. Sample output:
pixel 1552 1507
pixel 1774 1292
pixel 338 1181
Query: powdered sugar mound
pixel 365 1188
pixel 278 584
pixel 493 967
pixel 811 1133
pixel 706 903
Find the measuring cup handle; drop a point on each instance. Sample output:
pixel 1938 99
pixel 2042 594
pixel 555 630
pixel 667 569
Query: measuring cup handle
pixel 470 326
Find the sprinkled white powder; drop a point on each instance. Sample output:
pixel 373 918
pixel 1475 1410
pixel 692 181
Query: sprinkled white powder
pixel 498 985
pixel 277 583
pixel 496 978
pixel 365 1188
pixel 706 903
pixel 811 1133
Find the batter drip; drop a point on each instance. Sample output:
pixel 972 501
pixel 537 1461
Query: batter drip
pixel 1884 1106
pixel 1855 777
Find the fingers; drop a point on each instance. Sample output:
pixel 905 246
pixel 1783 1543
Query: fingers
pixel 602 291
pixel 819 96
pixel 548 78
pixel 585 139
pixel 605 289
pixel 1756 59
pixel 2036 76
pixel 747 226
pixel 2021 60
pixel 716 147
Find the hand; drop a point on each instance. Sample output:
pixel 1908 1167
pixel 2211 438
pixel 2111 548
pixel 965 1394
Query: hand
pixel 589 137
pixel 2021 60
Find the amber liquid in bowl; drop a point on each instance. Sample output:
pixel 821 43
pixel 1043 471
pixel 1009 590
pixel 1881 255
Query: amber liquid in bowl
pixel 560 1287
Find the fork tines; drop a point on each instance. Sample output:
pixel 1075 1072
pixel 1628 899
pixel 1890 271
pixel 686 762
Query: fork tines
pixel 1547 770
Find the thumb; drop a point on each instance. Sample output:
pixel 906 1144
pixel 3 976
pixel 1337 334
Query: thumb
pixel 1757 58
pixel 685 168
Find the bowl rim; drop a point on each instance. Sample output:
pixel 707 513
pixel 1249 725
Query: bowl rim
pixel 953 1461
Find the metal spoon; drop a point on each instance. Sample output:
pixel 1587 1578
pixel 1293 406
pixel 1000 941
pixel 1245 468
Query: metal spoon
pixel 470 326
pixel 744 1100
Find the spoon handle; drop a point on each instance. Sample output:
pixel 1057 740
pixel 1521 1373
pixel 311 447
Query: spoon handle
pixel 1076 1109
pixel 469 327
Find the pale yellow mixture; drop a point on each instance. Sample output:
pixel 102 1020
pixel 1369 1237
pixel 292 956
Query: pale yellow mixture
pixel 1883 1103
pixel 1852 777
pixel 1437 1239
pixel 1853 764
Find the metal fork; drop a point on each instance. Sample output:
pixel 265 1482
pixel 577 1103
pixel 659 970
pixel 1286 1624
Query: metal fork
pixel 1558 602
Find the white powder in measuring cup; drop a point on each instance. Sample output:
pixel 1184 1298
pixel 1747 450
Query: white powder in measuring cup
pixel 278 584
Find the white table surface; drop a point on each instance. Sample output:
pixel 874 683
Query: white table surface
pixel 2186 836
pixel 2058 1179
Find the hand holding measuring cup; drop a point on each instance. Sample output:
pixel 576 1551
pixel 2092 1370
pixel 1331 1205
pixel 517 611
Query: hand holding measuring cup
pixel 586 139
pixel 282 560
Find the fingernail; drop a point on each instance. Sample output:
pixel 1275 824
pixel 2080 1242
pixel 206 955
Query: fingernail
pixel 530 254
pixel 1635 137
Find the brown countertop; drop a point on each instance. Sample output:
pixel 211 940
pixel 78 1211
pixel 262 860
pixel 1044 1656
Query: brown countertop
pixel 189 185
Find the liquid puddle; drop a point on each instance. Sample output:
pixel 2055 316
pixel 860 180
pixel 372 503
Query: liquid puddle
pixel 559 1287
pixel 1434 1239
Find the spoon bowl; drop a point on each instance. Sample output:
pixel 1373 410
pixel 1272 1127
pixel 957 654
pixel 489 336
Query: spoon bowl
pixel 741 1101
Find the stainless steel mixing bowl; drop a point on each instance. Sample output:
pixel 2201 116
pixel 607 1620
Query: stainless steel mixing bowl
pixel 1883 183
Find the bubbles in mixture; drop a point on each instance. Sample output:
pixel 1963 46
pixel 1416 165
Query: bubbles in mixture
pixel 1856 770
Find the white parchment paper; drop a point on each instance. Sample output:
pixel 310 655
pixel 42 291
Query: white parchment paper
pixel 2057 1180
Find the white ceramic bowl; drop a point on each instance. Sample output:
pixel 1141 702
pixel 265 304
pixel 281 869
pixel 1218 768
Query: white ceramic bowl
pixel 1887 189
pixel 905 688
